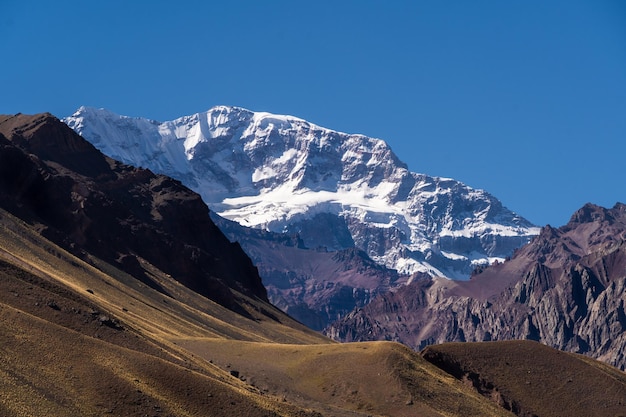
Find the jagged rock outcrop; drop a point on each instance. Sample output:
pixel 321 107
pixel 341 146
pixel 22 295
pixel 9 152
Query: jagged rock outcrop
pixel 566 289
pixel 83 200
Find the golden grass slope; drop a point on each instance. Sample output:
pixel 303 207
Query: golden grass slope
pixel 368 378
pixel 83 338
pixel 48 370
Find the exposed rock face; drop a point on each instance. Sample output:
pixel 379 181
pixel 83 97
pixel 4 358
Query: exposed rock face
pixel 315 287
pixel 567 289
pixel 51 176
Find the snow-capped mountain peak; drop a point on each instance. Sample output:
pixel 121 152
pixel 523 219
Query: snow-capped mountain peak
pixel 337 190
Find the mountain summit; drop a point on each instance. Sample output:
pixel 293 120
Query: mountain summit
pixel 335 190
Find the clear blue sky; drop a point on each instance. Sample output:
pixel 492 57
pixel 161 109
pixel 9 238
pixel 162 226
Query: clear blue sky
pixel 525 99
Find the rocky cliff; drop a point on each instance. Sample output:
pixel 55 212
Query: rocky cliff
pixel 566 289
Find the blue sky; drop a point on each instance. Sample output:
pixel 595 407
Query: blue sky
pixel 525 99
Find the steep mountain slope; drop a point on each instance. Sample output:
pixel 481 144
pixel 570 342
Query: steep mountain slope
pixel 88 339
pixel 93 323
pixel 565 289
pixel 315 287
pixel 335 190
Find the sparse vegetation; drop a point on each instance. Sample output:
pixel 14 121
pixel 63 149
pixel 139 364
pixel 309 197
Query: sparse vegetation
pixel 532 379
pixel 187 355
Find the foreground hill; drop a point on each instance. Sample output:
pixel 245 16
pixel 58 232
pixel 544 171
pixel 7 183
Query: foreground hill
pixel 81 340
pixel 118 297
pixel 534 380
pixel 565 289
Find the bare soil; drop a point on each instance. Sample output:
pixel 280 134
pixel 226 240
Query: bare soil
pixel 532 379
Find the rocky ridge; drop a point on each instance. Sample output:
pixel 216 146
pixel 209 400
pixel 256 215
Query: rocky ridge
pixel 565 289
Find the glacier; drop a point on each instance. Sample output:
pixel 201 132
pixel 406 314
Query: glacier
pixel 335 190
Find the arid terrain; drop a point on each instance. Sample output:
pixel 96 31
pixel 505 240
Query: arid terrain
pixel 78 340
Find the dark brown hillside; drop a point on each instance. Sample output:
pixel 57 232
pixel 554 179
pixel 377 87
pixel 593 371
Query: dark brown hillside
pixel 53 142
pixel 85 201
pixel 534 380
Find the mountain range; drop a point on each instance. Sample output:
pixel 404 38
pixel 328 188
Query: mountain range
pixel 565 288
pixel 119 296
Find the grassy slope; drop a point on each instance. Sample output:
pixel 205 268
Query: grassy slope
pixel 76 340
pixel 372 378
pixel 50 370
